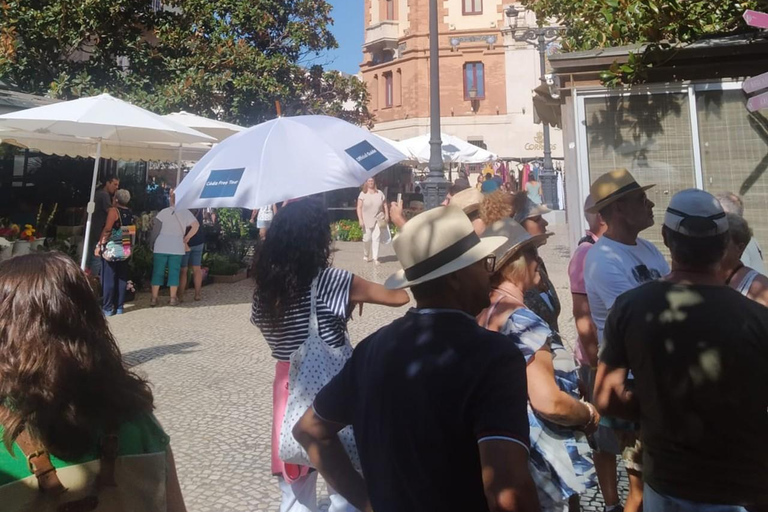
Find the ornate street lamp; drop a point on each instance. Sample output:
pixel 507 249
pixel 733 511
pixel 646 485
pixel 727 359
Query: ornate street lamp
pixel 539 38
pixel 435 185
pixel 474 102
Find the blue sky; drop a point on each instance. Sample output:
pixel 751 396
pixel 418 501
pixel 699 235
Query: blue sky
pixel 348 29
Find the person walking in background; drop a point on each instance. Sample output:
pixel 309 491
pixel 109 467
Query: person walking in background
pixel 371 208
pixel 77 425
pixel 752 256
pixel 618 262
pixel 698 351
pixel 169 246
pixel 587 346
pixel 479 184
pixel 114 274
pixel 560 460
pixel 294 258
pixel 533 187
pixel 437 403
pixel 745 280
pixel 489 184
pixel 103 204
pixel 193 258
pixel 263 217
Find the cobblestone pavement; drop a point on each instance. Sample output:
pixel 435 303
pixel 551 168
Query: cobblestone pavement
pixel 211 373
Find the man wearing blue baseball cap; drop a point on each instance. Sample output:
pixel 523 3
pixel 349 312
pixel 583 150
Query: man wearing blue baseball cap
pixel 698 351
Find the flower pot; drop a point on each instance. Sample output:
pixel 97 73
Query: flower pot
pixel 35 245
pixel 6 249
pixel 21 247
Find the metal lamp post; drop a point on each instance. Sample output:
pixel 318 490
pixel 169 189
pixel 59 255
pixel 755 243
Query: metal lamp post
pixel 539 38
pixel 435 186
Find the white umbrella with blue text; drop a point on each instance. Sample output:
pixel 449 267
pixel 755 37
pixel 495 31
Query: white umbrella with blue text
pixel 285 158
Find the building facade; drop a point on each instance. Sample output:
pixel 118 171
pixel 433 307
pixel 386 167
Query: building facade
pixel 486 77
pixel 687 126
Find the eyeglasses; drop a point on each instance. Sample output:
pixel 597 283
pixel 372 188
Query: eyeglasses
pixel 490 263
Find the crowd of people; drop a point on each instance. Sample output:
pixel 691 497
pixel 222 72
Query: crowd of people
pixel 469 401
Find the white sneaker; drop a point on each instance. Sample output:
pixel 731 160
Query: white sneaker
pixel 376 262
pixel 366 259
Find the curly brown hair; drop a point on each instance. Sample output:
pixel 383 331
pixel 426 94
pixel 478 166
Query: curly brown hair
pixel 496 206
pixel 297 249
pixel 62 377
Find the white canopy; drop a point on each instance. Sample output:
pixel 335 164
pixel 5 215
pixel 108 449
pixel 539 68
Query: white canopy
pixel 97 119
pixel 397 145
pixel 76 146
pixel 455 150
pixel 217 129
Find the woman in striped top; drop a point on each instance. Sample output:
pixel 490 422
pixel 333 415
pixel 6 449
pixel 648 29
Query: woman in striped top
pixel 298 250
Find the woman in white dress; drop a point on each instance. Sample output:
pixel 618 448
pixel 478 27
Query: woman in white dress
pixel 371 207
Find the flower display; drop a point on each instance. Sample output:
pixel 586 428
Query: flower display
pixel 10 232
pixel 28 233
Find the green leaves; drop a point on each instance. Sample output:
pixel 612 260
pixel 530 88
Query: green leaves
pixel 227 59
pixel 662 24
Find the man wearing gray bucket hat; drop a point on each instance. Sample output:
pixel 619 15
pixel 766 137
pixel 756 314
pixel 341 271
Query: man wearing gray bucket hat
pixel 698 351
pixel 437 403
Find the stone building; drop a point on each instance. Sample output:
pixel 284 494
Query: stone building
pixel 486 77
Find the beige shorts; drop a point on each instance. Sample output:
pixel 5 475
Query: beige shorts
pixel 631 449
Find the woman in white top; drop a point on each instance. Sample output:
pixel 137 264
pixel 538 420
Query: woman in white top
pixel 747 281
pixel 170 246
pixel 263 217
pixel 371 207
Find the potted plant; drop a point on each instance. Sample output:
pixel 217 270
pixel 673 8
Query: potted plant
pixel 24 244
pixel 222 269
pixel 9 234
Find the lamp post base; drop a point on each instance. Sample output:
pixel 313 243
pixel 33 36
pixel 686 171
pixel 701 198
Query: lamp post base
pixel 434 188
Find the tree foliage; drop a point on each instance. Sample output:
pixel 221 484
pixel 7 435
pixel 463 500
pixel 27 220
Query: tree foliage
pixel 230 59
pixel 664 25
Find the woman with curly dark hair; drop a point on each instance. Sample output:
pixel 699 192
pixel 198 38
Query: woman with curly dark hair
pixel 293 259
pixel 72 417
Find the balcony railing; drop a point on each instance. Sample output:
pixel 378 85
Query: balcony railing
pixel 383 32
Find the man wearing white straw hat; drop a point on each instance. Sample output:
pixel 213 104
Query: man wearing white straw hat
pixel 619 262
pixel 437 403
pixel 698 351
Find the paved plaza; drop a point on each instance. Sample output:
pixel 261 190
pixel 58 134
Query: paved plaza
pixel 211 373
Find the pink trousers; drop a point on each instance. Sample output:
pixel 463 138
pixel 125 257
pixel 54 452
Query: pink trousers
pixel 290 472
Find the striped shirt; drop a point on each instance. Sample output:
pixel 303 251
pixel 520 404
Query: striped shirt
pixel 333 285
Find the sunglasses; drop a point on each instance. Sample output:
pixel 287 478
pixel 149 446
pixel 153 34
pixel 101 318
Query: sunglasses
pixel 490 263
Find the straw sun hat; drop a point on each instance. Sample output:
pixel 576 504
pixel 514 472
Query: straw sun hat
pixel 517 239
pixel 436 243
pixel 612 186
pixel 468 200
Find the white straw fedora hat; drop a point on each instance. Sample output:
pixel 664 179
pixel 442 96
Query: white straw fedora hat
pixel 517 238
pixel 468 200
pixel 611 186
pixel 436 243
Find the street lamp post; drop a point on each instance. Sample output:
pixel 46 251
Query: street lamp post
pixel 435 186
pixel 539 38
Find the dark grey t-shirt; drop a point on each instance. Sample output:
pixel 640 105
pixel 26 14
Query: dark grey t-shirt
pixel 103 203
pixel 699 355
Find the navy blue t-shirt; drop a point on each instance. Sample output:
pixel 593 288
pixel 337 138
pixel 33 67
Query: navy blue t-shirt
pixel 421 393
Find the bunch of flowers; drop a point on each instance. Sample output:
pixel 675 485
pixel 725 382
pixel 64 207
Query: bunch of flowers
pixel 28 233
pixel 9 231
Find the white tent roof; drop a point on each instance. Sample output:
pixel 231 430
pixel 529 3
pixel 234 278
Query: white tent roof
pixel 79 147
pixel 455 150
pixel 217 129
pixel 101 117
